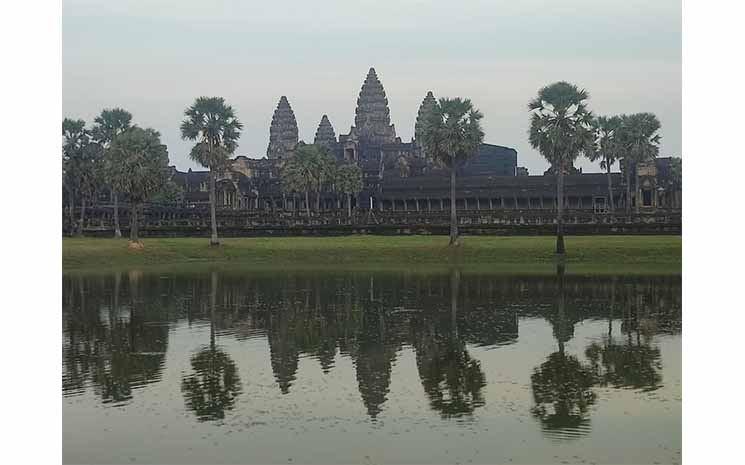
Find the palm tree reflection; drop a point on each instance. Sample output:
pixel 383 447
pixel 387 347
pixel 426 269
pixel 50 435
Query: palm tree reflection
pixel 562 385
pixel 213 387
pixel 452 380
pixel 631 364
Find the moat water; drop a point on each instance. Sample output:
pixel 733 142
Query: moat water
pixel 362 367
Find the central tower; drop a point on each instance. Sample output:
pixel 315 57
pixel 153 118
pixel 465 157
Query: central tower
pixel 372 118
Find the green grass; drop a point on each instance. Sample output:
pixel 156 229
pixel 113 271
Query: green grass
pixel 585 254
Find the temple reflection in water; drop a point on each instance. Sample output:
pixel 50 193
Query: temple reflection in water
pixel 117 330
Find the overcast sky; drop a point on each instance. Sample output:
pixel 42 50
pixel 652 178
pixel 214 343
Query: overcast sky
pixel 154 57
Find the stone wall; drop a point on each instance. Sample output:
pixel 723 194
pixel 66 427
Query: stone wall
pixel 176 222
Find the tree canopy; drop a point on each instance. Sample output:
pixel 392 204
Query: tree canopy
pixel 109 124
pixel 143 159
pixel 639 137
pixel 348 179
pixel 451 131
pixel 81 157
pixel 561 124
pixel 216 129
pixel 607 147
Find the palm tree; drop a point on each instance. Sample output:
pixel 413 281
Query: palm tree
pixel 80 165
pixel 140 154
pixel 213 125
pixel 75 138
pixel 306 170
pixel 325 172
pixel 560 130
pixel 451 133
pixel 109 124
pixel 640 143
pixel 349 182
pixel 607 147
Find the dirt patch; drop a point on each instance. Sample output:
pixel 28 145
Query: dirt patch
pixel 136 245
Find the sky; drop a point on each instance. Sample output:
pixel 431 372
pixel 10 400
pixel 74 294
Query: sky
pixel 154 57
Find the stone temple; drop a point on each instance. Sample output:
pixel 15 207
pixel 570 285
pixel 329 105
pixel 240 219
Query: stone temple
pixel 404 190
pixel 397 175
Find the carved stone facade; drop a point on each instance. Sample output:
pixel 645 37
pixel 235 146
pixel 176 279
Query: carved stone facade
pixel 325 135
pixel 428 104
pixel 283 132
pixel 372 121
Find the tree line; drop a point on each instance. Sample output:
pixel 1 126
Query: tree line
pixel 132 161
pixel 562 128
pixel 124 159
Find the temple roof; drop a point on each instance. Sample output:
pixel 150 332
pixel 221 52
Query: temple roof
pixel 436 182
pixel 283 132
pixel 325 135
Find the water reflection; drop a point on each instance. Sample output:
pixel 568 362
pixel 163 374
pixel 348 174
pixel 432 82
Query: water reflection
pixel 117 329
pixel 214 385
pixel 562 385
pixel 112 346
pixel 631 362
pixel 451 378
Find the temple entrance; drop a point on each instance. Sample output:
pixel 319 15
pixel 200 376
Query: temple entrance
pixel 599 205
pixel 647 198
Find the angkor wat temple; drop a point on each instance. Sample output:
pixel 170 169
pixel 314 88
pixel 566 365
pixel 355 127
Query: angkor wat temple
pixel 402 185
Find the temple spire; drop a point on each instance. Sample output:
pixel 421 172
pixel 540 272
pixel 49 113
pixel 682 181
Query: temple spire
pixel 283 133
pixel 427 105
pixel 372 116
pixel 325 135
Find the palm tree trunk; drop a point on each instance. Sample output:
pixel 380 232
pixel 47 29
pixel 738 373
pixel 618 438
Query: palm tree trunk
pixel 213 215
pixel 117 230
pixel 72 213
pixel 307 204
pixel 610 187
pixel 454 287
pixel 612 304
pixel 134 229
pixel 453 217
pixel 637 191
pixel 82 215
pixel 560 304
pixel 349 204
pixel 318 200
pixel 213 300
pixel 560 250
pixel 628 186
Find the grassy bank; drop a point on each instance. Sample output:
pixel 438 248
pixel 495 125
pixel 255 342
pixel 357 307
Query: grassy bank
pixel 584 253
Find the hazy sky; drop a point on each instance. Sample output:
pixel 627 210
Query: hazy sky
pixel 153 57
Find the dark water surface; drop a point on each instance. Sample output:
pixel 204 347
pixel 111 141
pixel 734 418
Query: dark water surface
pixel 300 367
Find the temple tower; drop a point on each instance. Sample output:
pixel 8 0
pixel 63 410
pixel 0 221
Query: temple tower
pixel 325 135
pixel 372 117
pixel 283 133
pixel 427 105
